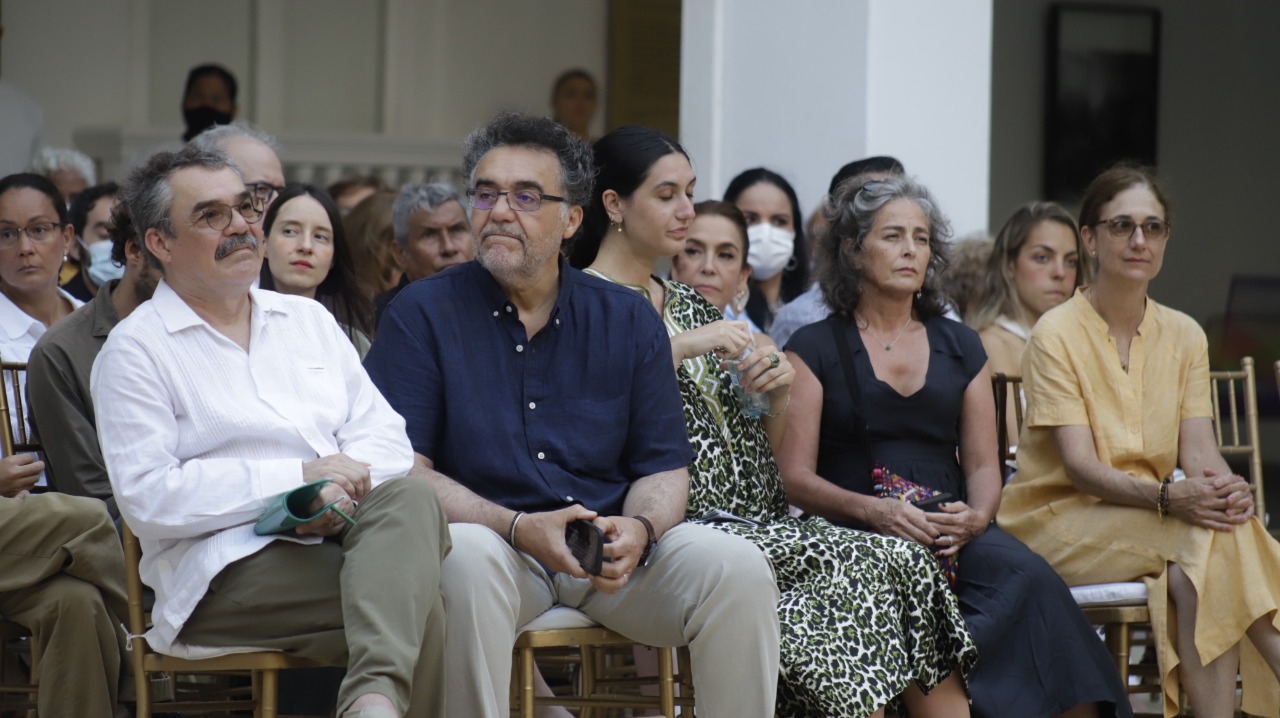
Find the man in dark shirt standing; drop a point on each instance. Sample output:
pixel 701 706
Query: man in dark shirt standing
pixel 536 395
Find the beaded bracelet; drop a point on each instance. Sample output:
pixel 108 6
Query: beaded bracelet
pixel 511 531
pixel 1162 498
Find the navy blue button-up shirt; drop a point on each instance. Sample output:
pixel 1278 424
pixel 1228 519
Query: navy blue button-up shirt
pixel 572 415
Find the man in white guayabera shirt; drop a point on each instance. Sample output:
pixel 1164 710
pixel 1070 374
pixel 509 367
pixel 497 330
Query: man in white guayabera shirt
pixel 213 399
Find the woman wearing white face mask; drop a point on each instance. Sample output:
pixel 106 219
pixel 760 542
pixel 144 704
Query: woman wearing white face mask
pixel 778 253
pixel 90 214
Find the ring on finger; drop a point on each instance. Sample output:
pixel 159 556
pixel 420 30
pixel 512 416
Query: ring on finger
pixel 774 361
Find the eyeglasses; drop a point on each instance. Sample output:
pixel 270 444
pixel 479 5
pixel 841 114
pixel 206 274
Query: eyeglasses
pixel 1122 228
pixel 524 200
pixel 264 192
pixel 39 233
pixel 217 216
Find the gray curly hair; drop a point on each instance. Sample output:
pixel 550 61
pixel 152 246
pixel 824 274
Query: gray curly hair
pixel 850 215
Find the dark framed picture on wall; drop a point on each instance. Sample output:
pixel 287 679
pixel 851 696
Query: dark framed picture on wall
pixel 1103 93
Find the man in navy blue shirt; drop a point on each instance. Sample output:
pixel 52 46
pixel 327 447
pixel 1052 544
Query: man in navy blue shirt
pixel 536 395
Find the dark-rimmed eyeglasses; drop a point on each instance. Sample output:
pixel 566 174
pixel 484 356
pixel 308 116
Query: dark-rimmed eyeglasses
pixel 1122 228
pixel 217 216
pixel 523 200
pixel 38 233
pixel 264 192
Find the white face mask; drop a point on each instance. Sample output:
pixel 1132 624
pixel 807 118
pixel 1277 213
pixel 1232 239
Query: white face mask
pixel 101 268
pixel 770 250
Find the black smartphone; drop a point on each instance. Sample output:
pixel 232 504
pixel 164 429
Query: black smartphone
pixel 933 504
pixel 586 543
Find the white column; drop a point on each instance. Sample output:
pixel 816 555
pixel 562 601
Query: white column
pixel 805 87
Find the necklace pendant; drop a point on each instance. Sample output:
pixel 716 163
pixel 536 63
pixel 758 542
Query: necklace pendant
pixel 888 347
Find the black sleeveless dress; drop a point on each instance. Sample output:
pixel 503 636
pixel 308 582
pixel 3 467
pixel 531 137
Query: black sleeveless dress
pixel 1037 655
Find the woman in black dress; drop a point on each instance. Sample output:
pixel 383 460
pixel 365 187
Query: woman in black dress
pixel 888 380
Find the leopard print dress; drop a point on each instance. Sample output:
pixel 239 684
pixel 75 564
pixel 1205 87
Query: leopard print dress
pixel 862 616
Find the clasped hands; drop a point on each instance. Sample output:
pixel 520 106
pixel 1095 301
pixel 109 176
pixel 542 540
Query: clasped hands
pixel 1212 501
pixel 945 532
pixel 541 535
pixel 349 482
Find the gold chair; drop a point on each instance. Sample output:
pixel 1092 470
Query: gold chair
pixel 18 696
pixel 1007 389
pixel 263 666
pixel 1236 432
pixel 563 627
pixel 13 438
pixel 17 434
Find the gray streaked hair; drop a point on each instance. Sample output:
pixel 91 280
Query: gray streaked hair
pixel 513 129
pixel 148 192
pixel 850 215
pixel 214 137
pixel 53 159
pixel 415 197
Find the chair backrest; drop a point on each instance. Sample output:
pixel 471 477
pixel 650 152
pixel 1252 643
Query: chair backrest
pixel 1235 422
pixel 1007 389
pixel 17 435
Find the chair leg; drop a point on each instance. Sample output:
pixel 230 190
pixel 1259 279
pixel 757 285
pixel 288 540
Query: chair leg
pixel 526 682
pixel 589 659
pixel 1117 640
pixel 141 685
pixel 666 683
pixel 35 675
pixel 270 693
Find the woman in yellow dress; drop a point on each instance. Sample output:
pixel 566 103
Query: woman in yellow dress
pixel 1117 390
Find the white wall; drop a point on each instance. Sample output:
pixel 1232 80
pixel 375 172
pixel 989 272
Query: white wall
pixel 1217 149
pixel 836 80
pixel 928 83
pixel 430 69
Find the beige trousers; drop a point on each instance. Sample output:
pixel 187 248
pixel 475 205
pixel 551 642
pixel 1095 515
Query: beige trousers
pixel 368 599
pixel 703 588
pixel 62 577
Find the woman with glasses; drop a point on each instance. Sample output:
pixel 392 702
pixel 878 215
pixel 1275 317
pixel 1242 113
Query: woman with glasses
pixel 307 254
pixel 35 234
pixel 892 430
pixel 865 620
pixel 1117 390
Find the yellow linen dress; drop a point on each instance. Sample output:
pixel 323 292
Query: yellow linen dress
pixel 1072 376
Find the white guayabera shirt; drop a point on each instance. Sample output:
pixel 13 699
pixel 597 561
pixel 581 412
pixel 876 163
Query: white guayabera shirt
pixel 198 435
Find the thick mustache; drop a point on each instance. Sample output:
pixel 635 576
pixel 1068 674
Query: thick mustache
pixel 506 230
pixel 234 242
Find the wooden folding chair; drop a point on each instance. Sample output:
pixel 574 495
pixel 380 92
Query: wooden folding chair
pixel 563 627
pixel 263 666
pixel 15 695
pixel 1007 389
pixel 16 437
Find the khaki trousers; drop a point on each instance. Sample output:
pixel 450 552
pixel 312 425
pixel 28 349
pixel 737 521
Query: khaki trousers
pixel 368 599
pixel 62 577
pixel 703 588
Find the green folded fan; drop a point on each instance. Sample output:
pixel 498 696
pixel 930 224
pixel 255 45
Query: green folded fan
pixel 292 509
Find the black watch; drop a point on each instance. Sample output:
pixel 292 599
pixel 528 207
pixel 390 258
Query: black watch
pixel 653 540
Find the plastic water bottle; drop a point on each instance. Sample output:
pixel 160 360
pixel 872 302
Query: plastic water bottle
pixel 754 404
